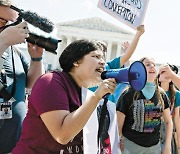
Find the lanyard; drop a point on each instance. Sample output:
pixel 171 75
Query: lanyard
pixel 3 92
pixel 14 74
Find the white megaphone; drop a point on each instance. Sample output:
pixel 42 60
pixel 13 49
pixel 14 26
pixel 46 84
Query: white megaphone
pixel 135 75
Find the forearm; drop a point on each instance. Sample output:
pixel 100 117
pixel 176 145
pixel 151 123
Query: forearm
pixel 35 71
pixel 75 121
pixel 177 126
pixel 120 121
pixel 3 47
pixel 130 50
pixel 169 129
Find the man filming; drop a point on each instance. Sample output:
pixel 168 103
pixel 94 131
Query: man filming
pixel 16 74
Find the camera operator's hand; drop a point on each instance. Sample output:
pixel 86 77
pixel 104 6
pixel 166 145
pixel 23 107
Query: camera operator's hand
pixel 35 51
pixel 14 34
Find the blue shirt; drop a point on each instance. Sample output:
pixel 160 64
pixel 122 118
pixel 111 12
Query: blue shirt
pixel 177 96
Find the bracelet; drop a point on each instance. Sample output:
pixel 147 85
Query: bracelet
pixel 36 59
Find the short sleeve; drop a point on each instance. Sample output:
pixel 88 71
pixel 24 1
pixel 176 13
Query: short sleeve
pixel 166 100
pixel 49 93
pixel 113 64
pixel 177 102
pixel 122 104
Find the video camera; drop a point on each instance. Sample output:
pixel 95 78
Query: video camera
pixel 49 44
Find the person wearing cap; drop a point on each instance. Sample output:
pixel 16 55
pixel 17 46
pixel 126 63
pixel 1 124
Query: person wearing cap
pixel 16 74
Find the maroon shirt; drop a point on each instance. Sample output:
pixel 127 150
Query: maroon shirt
pixel 52 91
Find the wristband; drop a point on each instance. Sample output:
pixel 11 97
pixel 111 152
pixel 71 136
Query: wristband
pixel 36 59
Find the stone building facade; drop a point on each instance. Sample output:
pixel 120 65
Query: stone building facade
pixel 92 29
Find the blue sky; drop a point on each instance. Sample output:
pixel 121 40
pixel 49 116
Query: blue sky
pixel 162 27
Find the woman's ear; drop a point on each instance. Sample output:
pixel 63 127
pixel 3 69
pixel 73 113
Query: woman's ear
pixel 76 64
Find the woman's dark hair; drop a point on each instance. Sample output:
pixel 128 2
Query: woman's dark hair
pixel 76 51
pixel 103 45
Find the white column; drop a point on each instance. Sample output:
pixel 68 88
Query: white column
pixel 118 52
pixel 69 40
pixel 109 49
pixel 73 39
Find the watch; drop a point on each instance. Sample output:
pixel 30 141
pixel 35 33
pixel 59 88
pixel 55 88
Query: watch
pixel 36 59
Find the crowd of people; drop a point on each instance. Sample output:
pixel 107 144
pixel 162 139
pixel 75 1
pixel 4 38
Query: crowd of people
pixel 139 116
pixel 148 120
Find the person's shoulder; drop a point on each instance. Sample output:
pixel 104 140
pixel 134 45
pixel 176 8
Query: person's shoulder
pixel 57 76
pixel 161 91
pixel 128 92
pixel 177 95
pixel 177 92
pixel 47 80
pixel 51 75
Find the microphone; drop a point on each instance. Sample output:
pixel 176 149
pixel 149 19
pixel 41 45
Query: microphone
pixel 49 44
pixel 135 75
pixel 35 20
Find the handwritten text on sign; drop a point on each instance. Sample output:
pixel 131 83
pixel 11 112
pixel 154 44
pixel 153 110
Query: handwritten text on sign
pixel 131 12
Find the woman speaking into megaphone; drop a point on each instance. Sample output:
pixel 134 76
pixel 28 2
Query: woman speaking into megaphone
pixel 127 51
pixel 139 116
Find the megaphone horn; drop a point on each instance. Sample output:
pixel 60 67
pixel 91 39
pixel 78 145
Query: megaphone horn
pixel 135 75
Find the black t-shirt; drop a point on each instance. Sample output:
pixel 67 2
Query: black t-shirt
pixel 142 117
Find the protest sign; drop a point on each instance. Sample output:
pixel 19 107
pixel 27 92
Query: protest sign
pixel 130 12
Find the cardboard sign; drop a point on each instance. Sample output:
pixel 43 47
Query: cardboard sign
pixel 130 12
pixel 90 131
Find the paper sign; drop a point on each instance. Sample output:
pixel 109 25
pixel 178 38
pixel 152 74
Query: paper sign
pixel 130 12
